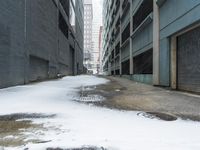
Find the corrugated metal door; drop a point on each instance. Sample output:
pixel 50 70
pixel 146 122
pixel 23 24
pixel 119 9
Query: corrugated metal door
pixel 188 61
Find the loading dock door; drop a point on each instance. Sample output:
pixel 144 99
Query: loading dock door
pixel 188 61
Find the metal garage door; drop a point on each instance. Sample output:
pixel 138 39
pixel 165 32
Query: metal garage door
pixel 188 61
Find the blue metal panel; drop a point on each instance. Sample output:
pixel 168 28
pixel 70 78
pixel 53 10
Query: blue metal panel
pixel 144 78
pixel 178 14
pixel 143 39
pixel 125 51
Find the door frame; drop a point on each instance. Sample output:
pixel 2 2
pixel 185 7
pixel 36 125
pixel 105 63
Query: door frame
pixel 173 55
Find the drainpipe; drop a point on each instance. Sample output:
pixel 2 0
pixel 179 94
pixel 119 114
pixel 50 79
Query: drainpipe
pixel 156 44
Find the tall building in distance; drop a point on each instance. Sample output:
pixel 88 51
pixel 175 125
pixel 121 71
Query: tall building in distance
pixel 100 69
pixel 88 46
pixel 95 42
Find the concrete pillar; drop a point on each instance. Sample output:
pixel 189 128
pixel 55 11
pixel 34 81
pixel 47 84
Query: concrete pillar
pixel 114 60
pixel 156 44
pixel 109 63
pixel 120 34
pixel 131 43
pixel 173 62
pixel 120 62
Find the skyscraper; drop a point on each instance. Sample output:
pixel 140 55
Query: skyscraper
pixel 100 68
pixel 88 17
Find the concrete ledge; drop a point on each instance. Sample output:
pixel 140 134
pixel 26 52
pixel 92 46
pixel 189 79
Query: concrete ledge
pixel 146 21
pixel 143 78
pixel 126 76
pixel 160 2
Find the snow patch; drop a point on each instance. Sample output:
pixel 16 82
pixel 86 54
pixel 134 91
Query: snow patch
pixel 77 124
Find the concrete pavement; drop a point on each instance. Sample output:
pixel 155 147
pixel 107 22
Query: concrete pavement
pixel 125 94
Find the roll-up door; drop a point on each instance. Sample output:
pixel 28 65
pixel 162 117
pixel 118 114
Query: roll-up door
pixel 188 61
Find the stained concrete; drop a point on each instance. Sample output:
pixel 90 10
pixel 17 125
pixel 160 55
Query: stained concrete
pixel 125 94
pixel 13 129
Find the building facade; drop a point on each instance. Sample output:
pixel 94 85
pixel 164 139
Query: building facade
pixel 100 69
pixel 153 41
pixel 40 39
pixel 88 49
pixel 95 41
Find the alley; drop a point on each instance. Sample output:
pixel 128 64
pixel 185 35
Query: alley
pixel 68 114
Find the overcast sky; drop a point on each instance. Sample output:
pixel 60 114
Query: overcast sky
pixel 97 11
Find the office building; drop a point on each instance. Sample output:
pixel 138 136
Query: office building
pixel 88 18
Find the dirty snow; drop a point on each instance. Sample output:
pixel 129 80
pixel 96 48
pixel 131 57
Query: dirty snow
pixel 79 124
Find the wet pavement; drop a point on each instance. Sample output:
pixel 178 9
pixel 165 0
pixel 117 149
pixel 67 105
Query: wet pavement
pixel 161 103
pixel 82 148
pixel 102 96
pixel 15 127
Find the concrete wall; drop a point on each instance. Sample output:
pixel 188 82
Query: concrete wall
pixel 143 40
pixel 125 51
pixel 32 47
pixel 12 58
pixel 41 33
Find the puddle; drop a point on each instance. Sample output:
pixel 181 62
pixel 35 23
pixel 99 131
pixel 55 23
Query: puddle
pixel 16 128
pixel 18 116
pixel 117 90
pixel 158 115
pixel 89 98
pixel 89 94
pixel 82 148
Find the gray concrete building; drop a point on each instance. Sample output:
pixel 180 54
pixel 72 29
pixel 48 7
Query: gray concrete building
pixel 40 39
pixel 153 41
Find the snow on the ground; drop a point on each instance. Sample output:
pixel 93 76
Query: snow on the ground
pixel 82 124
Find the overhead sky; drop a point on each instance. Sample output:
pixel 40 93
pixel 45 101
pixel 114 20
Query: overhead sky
pixel 97 11
pixel 97 22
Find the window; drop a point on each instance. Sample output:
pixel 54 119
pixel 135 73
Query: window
pixel 143 63
pixel 126 33
pixel 63 25
pixel 145 9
